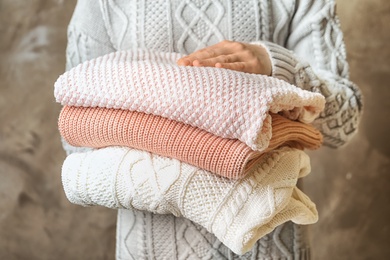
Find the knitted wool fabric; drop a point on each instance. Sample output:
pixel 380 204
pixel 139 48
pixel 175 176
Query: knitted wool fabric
pixel 144 235
pixel 101 127
pixel 303 39
pixel 238 212
pixel 227 103
pixel 307 50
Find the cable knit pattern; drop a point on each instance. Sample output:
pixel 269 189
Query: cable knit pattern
pixel 101 127
pixel 194 242
pixel 238 212
pixel 307 49
pixel 298 28
pixel 316 31
pixel 340 118
pixel 200 27
pixel 226 103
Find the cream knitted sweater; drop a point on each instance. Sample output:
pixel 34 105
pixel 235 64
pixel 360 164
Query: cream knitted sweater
pixel 306 47
pixel 238 212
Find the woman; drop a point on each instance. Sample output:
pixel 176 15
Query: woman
pixel 296 41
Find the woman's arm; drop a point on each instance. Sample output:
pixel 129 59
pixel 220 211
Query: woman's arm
pixel 313 59
pixel 87 35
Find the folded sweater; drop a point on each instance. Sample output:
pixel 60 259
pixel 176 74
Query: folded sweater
pixel 238 212
pixel 101 127
pixel 227 103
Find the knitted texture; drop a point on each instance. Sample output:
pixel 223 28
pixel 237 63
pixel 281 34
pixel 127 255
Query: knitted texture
pixel 308 51
pixel 304 40
pixel 181 239
pixel 227 103
pixel 238 212
pixel 101 127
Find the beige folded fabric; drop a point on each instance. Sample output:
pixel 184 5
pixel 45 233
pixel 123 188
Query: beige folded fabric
pixel 238 212
pixel 101 127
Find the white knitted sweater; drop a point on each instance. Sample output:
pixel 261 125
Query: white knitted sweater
pixel 238 212
pixel 305 43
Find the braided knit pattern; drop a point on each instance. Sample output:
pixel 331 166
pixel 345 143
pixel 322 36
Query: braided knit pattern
pixel 308 43
pixel 237 212
pixel 227 103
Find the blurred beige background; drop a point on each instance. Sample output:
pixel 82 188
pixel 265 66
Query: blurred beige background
pixel 351 186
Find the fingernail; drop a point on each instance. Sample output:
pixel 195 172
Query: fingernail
pixel 197 63
pixel 183 62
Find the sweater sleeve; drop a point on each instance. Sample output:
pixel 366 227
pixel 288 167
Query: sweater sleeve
pixel 87 39
pixel 314 58
pixel 87 34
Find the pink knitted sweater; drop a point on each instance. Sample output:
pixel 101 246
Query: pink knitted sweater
pixel 226 103
pixel 101 127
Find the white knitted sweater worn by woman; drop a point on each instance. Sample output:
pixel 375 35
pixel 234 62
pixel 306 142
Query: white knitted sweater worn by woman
pixel 305 43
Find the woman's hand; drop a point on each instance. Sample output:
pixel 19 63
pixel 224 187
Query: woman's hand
pixel 238 56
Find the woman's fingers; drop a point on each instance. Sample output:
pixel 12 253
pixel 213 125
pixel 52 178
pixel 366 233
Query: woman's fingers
pixel 238 66
pixel 231 55
pixel 212 61
pixel 220 49
pixel 210 52
pixel 183 62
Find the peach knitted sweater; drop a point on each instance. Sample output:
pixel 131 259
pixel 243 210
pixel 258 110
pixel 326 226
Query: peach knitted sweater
pixel 101 127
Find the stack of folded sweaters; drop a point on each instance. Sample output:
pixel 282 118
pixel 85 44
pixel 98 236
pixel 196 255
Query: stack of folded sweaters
pixel 219 147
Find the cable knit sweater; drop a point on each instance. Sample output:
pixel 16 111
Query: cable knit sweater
pixel 238 212
pixel 306 47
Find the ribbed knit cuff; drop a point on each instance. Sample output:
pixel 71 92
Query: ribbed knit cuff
pixel 283 61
